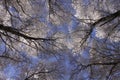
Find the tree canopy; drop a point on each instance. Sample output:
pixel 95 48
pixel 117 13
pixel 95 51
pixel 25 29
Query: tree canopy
pixel 59 39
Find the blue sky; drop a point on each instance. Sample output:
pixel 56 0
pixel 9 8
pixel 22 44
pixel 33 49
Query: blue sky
pixel 11 71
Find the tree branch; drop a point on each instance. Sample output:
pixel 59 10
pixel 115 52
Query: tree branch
pixel 18 33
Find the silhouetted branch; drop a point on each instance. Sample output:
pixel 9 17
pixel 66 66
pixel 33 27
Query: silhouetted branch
pixel 18 33
pixel 102 20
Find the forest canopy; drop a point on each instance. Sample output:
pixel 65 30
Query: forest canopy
pixel 59 39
